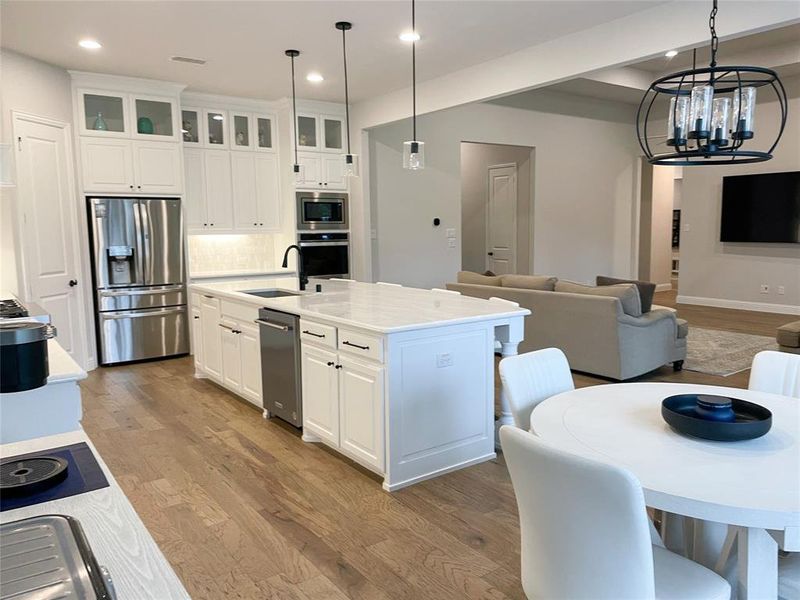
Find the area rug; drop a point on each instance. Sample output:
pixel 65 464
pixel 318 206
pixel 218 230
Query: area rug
pixel 724 353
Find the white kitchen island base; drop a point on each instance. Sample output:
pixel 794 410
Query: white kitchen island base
pixel 400 380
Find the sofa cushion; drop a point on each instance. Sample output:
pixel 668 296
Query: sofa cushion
pixel 789 335
pixel 683 328
pixel 646 289
pixel 529 282
pixel 477 278
pixel 627 293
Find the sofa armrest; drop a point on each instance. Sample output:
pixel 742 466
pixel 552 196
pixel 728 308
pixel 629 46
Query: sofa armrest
pixel 647 319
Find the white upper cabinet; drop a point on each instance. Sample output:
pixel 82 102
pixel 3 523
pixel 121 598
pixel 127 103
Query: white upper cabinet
pixel 155 118
pixel 264 127
pixel 195 198
pixel 216 128
pixel 308 132
pixel 321 171
pixel 124 115
pixel 157 168
pixel 192 131
pixel 320 132
pixel 107 165
pixel 333 136
pixel 241 130
pixel 219 195
pixel 256 191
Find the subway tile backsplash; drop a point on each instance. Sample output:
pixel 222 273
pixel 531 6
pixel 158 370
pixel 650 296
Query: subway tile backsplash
pixel 224 253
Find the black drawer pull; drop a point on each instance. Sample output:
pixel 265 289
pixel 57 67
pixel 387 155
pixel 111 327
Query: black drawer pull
pixel 346 343
pixel 319 335
pixel 330 364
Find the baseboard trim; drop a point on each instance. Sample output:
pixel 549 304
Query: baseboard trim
pixel 784 309
pixel 663 287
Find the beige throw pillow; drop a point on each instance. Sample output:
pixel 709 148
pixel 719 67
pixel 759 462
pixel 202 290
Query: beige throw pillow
pixel 477 279
pixel 529 282
pixel 627 293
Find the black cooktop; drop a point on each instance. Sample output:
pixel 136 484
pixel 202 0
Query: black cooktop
pixel 11 309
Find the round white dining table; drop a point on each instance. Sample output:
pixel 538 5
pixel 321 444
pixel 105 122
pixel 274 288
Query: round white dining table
pixel 753 485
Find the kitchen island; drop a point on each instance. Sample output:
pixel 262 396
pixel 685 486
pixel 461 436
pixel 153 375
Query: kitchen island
pixel 399 379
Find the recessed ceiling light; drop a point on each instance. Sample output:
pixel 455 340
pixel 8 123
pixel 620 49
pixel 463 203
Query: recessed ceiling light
pixel 315 77
pixel 90 44
pixel 409 36
pixel 671 53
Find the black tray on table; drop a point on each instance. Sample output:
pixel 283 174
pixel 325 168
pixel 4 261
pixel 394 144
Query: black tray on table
pixel 750 420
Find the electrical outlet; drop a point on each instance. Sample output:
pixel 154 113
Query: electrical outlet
pixel 451 242
pixel 764 288
pixel 451 233
pixel 444 360
pixel 687 227
pixel 781 290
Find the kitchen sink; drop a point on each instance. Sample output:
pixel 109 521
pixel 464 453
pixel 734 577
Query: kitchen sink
pixel 271 293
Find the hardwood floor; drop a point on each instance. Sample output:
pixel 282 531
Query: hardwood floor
pixel 242 508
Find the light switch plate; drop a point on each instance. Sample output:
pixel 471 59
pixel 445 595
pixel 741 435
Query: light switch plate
pixel 444 360
pixel 451 242
pixel 451 233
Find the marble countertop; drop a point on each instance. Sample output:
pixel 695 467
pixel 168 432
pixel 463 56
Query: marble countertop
pixel 62 366
pixel 375 307
pixel 118 538
pixel 278 271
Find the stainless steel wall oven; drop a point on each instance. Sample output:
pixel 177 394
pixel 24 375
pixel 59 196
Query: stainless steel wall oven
pixel 325 254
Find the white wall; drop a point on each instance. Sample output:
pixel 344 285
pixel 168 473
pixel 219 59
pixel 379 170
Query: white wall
pixel 663 201
pixel 585 186
pixel 36 88
pixel 475 162
pixel 730 274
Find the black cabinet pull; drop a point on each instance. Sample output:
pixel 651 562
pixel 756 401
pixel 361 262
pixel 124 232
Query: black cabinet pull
pixel 131 187
pixel 346 343
pixel 196 317
pixel 330 364
pixel 138 186
pixel 338 366
pixel 319 335
pixel 490 253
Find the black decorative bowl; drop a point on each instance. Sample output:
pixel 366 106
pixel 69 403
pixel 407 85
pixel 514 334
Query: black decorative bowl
pixel 688 413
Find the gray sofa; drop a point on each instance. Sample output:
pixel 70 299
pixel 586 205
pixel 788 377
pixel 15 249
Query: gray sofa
pixel 788 337
pixel 590 327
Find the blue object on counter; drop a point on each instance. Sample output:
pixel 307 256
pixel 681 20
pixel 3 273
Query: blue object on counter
pixel 709 417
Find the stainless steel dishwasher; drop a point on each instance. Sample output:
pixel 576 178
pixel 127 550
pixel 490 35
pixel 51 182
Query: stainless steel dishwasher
pixel 280 365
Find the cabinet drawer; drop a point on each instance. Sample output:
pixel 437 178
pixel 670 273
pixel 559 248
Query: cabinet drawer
pixel 243 312
pixel 317 333
pixel 361 344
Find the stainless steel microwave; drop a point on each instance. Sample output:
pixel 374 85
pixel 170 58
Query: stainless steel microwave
pixel 320 211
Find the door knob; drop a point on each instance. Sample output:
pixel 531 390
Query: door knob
pixel 490 253
pixel 73 282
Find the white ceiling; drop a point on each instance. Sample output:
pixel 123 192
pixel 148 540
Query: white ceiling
pixel 243 42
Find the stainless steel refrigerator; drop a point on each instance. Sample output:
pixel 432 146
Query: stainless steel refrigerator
pixel 139 278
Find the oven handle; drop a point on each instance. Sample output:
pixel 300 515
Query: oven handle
pixel 312 244
pixel 132 314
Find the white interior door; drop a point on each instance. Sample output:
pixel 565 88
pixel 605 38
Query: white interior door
pixel 501 220
pixel 49 227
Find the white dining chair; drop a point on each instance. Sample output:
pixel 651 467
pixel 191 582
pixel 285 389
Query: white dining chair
pixel 585 531
pixel 531 378
pixel 444 291
pixel 776 373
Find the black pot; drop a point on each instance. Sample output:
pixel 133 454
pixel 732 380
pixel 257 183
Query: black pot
pixel 23 355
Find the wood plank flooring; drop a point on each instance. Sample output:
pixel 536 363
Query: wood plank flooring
pixel 242 508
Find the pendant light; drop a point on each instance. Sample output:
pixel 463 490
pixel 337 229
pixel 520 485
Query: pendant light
pixel 292 54
pixel 710 112
pixel 350 160
pixel 413 150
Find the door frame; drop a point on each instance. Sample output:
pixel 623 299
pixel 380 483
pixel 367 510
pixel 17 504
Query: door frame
pixel 23 254
pixel 514 247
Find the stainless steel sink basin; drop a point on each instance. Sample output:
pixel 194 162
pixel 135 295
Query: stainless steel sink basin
pixel 271 293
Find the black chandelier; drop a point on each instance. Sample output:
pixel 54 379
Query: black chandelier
pixel 711 112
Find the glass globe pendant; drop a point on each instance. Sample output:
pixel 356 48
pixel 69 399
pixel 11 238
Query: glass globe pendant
pixel 414 150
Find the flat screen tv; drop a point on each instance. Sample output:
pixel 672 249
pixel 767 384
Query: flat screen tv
pixel 761 208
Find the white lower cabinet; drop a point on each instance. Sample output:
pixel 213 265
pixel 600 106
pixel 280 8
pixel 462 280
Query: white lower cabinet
pixel 227 346
pixel 343 403
pixel 320 393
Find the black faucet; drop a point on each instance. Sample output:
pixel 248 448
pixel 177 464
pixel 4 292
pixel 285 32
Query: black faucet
pixel 300 271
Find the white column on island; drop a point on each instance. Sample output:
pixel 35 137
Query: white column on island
pixel 509 337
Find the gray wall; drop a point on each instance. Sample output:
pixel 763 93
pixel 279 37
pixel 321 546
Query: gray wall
pixel 585 188
pixel 475 162
pixel 730 272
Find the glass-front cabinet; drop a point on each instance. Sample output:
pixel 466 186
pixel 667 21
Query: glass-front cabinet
pixel 191 120
pixel 154 118
pixel 103 113
pixel 216 128
pixel 333 134
pixel 241 133
pixel 265 131
pixel 307 126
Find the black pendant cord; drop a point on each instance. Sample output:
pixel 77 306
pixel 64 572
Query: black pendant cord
pixel 712 25
pixel 346 94
pixel 292 54
pixel 413 71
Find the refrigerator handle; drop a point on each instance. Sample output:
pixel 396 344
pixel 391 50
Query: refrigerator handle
pixel 139 256
pixel 146 244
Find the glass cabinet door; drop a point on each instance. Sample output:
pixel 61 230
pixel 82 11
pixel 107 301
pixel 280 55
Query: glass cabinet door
pixel 333 134
pixel 190 126
pixel 103 113
pixel 307 132
pixel 215 128
pixel 240 135
pixel 264 132
pixel 153 117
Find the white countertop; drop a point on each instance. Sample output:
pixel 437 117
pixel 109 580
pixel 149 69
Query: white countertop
pixel 380 308
pixel 118 538
pixel 62 366
pixel 242 273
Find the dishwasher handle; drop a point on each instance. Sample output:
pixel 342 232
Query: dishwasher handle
pixel 273 325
